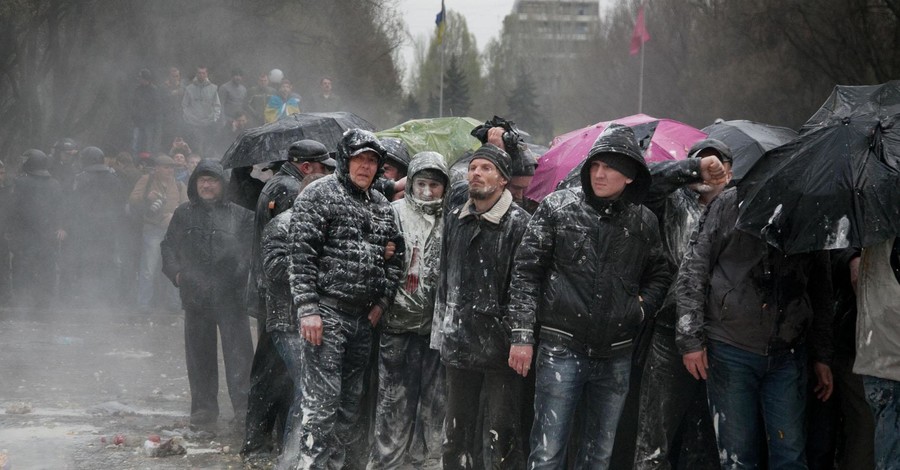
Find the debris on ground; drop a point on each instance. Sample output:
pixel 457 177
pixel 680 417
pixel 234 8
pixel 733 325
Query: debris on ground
pixel 18 408
pixel 154 448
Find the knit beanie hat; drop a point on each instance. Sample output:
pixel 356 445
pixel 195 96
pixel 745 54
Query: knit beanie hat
pixel 498 157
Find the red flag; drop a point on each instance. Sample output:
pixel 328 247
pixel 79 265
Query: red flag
pixel 640 35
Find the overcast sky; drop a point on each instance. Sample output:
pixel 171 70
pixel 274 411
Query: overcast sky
pixel 484 18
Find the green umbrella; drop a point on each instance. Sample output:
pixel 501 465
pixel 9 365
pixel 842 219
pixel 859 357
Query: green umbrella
pixel 448 136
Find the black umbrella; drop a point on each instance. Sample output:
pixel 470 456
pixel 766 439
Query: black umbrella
pixel 270 142
pixel 833 187
pixel 748 141
pixel 868 102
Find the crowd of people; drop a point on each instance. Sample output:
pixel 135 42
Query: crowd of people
pixel 415 315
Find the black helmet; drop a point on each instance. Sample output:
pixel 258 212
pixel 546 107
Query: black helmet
pixel 65 145
pixel 37 163
pixel 91 156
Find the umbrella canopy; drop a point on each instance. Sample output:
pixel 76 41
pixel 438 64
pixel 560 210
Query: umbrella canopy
pixel 661 139
pixel 748 141
pixel 269 143
pixel 833 187
pixel 870 102
pixel 450 136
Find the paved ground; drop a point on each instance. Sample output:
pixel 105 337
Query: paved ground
pixel 72 380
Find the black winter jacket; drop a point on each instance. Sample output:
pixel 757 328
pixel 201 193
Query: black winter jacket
pixel 580 270
pixel 678 210
pixel 276 197
pixel 35 212
pixel 276 263
pixel 97 208
pixel 735 288
pixel 209 245
pixel 338 235
pixel 473 291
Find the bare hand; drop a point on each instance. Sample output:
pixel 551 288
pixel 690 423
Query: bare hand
pixel 712 171
pixel 495 137
pixel 389 250
pixel 825 382
pixel 375 314
pixel 520 358
pixel 400 185
pixel 696 363
pixel 61 235
pixel 854 272
pixel 311 329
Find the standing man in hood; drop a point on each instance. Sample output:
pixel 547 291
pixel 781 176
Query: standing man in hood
pixel 479 241
pixel 410 410
pixel 346 262
pixel 202 111
pixel 205 255
pixel 269 381
pixel 590 267
pixel 34 226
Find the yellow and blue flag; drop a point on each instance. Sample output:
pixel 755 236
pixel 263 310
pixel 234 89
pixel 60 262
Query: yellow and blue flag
pixel 439 21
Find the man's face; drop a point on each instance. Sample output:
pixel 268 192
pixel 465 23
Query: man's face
pixel 237 79
pixel 309 168
pixel 391 171
pixel 179 159
pixel 285 89
pixel 484 179
pixel 607 182
pixel 363 168
pixel 174 75
pixel 192 162
pixel 517 186
pixel 68 155
pixel 326 86
pixel 202 74
pixel 209 188
pixel 427 189
pixel 240 123
pixel 703 188
pixel 263 80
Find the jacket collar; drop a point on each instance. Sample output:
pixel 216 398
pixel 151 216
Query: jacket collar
pixel 495 214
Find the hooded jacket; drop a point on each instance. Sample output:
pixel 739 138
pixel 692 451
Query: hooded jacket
pixel 208 243
pixel 585 262
pixel 734 288
pixel 201 104
pixel 421 225
pixel 339 233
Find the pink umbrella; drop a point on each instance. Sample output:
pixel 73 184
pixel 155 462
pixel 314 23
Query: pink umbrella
pixel 670 141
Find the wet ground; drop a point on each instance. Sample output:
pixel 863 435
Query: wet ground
pixel 84 389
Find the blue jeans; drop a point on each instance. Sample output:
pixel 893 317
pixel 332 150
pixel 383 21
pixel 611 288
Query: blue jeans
pixel 289 346
pixel 741 387
pixel 331 385
pixel 883 396
pixel 563 378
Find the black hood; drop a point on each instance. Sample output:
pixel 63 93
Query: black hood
pixel 620 140
pixel 352 141
pixel 715 145
pixel 206 167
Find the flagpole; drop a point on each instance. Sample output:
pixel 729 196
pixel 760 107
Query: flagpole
pixel 441 105
pixel 641 83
